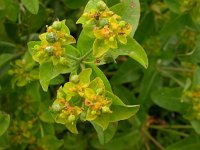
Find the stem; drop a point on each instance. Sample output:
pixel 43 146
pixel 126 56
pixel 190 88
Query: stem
pixel 174 69
pixel 171 131
pixel 154 140
pixel 85 56
pixel 173 78
pixel 72 57
pixel 171 126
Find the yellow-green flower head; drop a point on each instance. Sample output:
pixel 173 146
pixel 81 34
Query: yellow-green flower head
pixel 53 43
pixel 107 27
pixel 81 96
pixel 23 72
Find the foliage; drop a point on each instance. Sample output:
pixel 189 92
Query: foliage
pixel 70 68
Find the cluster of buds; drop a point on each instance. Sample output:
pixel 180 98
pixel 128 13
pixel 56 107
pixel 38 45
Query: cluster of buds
pixel 81 98
pixel 193 97
pixel 187 5
pixel 23 72
pixel 108 27
pixel 53 44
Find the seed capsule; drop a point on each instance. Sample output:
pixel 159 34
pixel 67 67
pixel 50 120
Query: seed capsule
pixel 51 37
pixel 57 25
pixel 93 112
pixel 74 78
pixel 56 107
pixel 122 23
pixel 49 50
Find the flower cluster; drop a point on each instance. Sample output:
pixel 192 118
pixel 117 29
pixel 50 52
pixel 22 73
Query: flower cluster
pixel 53 44
pixel 108 28
pixel 193 97
pixel 81 98
pixel 23 72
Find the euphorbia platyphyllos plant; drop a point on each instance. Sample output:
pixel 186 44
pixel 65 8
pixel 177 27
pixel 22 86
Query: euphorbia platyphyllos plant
pixel 88 96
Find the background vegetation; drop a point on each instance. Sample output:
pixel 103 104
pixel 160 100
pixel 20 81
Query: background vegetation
pixel 168 92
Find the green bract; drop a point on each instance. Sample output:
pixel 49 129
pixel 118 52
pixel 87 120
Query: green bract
pixel 88 99
pixel 52 46
pixel 107 27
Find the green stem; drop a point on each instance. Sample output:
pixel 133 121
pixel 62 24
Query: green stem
pixel 171 131
pixel 154 140
pixel 72 57
pixel 175 69
pixel 172 126
pixel 85 56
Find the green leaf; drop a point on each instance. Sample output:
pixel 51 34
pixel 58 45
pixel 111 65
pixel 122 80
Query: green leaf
pixel 122 141
pixel 46 117
pixel 129 10
pixel 191 143
pixel 75 4
pixel 99 48
pixel 47 72
pixel 123 112
pixel 105 135
pixel 4 122
pixel 170 99
pixel 4 141
pixel 72 127
pixel 57 80
pixel 85 42
pixel 4 58
pixel 96 84
pixel 178 23
pixel 173 5
pixel 85 76
pixel 31 5
pixel 115 100
pixel 103 121
pixel 11 10
pixel 133 50
pixel 91 5
pixel 50 142
pixel 196 125
pixel 98 73
pixel 126 73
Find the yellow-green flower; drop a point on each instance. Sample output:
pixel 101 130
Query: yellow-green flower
pixel 107 27
pixel 53 44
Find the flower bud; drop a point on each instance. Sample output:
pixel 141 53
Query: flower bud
pixel 74 78
pixel 51 37
pixel 111 39
pixel 57 25
pixel 93 112
pixel 101 6
pixel 56 107
pixel 122 23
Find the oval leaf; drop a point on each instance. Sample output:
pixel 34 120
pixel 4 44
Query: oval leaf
pixel 31 5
